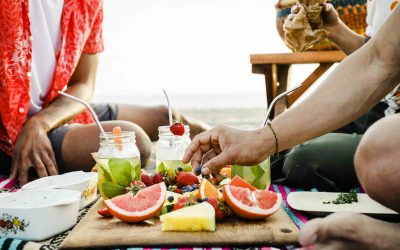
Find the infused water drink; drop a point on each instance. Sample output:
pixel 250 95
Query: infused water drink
pixel 170 150
pixel 258 175
pixel 118 163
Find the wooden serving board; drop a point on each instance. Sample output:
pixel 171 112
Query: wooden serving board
pixel 96 231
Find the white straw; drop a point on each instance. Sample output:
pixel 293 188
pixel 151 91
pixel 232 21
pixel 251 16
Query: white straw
pixel 276 99
pixel 90 109
pixel 169 108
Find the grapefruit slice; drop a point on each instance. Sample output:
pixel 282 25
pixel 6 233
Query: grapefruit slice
pixel 249 204
pixel 144 205
pixel 207 190
pixel 237 181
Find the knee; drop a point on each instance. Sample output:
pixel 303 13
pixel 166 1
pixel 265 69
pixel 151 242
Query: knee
pixel 143 141
pixel 374 160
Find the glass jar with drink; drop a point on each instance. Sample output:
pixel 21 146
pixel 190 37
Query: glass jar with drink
pixel 170 149
pixel 118 163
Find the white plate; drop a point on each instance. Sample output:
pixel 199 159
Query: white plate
pixel 312 202
pixel 84 182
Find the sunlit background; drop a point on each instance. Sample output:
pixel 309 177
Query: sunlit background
pixel 198 50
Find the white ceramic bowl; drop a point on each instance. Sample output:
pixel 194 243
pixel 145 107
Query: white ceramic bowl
pixel 38 214
pixel 84 182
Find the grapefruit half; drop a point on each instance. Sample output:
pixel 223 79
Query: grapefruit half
pixel 144 205
pixel 257 204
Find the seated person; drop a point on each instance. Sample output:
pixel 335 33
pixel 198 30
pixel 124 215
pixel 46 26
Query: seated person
pixel 47 46
pixel 365 77
pixel 326 162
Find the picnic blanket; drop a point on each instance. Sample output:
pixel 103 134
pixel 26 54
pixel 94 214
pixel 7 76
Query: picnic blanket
pixel 7 185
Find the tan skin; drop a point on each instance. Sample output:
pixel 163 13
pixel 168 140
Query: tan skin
pixel 356 85
pixel 33 147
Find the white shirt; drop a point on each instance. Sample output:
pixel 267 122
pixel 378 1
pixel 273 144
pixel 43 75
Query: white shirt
pixel 377 13
pixel 45 24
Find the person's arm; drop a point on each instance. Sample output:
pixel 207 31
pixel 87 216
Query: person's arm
pixel 33 148
pixel 357 84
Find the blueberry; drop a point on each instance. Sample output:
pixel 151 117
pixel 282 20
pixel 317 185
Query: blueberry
pixel 197 170
pixel 220 190
pixel 198 199
pixel 170 198
pixel 195 186
pixel 180 168
pixel 207 177
pixel 205 199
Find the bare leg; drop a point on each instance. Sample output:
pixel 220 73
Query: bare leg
pixel 81 140
pixel 377 167
pixel 150 117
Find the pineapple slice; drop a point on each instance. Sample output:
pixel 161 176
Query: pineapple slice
pixel 200 217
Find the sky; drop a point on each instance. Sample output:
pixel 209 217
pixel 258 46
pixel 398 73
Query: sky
pixel 198 50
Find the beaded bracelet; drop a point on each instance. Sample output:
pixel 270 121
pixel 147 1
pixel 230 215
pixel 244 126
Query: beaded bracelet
pixel 276 138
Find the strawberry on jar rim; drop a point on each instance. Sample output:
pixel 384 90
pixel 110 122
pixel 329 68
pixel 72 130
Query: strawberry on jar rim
pixel 177 128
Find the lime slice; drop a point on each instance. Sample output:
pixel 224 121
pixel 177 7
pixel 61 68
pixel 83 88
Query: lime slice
pixel 120 171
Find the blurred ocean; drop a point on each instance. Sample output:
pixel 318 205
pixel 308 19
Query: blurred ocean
pixel 198 50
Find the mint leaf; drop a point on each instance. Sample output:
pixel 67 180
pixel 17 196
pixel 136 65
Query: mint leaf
pixel 121 171
pixel 111 189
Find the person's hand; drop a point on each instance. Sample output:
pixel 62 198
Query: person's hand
pixel 222 145
pixel 33 149
pixel 329 16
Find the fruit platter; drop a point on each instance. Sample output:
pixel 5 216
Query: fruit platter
pixel 177 206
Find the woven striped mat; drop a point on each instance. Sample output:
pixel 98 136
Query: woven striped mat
pixel 7 185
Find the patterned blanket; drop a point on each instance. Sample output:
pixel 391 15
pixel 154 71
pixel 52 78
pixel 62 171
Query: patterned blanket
pixel 7 185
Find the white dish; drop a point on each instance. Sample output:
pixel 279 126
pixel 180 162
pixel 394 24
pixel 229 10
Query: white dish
pixel 38 214
pixel 313 202
pixel 84 182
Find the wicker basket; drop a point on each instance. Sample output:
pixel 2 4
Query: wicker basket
pixel 352 12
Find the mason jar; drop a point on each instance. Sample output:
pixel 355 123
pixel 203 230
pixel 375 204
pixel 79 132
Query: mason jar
pixel 118 163
pixel 258 175
pixel 170 149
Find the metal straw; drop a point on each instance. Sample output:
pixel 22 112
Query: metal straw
pixel 169 108
pixel 90 109
pixel 287 92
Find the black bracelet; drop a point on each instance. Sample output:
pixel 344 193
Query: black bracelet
pixel 276 138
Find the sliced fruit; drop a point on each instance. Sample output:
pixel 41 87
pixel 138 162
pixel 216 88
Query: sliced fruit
pixel 144 205
pixel 200 217
pixel 207 189
pixel 118 140
pixel 259 176
pixel 105 213
pixel 249 204
pixel 177 129
pixel 185 201
pixel 227 172
pixel 225 181
pixel 237 181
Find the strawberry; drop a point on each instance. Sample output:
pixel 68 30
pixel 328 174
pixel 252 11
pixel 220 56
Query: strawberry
pixel 184 201
pixel 105 213
pixel 219 214
pixel 185 179
pixel 139 184
pixel 157 178
pixel 147 180
pixel 177 129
